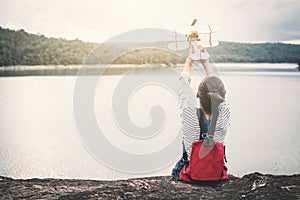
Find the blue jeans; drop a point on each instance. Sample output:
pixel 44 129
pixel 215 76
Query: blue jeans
pixel 178 167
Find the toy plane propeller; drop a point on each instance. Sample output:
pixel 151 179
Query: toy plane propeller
pixel 194 40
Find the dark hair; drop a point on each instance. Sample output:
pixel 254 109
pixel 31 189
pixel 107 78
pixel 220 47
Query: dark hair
pixel 211 92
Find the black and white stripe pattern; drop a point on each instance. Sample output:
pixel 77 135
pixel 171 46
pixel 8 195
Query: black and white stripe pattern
pixel 190 124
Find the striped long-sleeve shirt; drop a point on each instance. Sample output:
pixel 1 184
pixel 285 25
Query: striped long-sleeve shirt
pixel 189 119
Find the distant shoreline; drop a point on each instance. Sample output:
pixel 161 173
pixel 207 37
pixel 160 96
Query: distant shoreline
pixel 20 47
pixel 147 64
pixel 119 69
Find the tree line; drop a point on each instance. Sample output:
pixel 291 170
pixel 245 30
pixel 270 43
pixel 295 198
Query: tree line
pixel 17 47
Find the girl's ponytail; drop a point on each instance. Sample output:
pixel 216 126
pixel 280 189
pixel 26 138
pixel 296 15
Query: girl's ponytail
pixel 212 93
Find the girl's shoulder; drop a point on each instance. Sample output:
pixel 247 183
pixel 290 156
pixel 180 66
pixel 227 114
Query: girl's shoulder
pixel 224 105
pixel 224 112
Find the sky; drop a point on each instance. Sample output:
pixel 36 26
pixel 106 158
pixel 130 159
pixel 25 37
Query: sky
pixel 99 20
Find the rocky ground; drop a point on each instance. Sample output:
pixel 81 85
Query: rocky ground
pixel 251 186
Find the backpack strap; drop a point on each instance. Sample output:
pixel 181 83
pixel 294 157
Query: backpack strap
pixel 209 142
pixel 203 127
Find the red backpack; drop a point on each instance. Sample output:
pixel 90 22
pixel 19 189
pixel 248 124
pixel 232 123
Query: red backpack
pixel 207 158
pixel 211 167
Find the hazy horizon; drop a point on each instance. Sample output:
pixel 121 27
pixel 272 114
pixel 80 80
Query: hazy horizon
pixel 249 42
pixel 250 21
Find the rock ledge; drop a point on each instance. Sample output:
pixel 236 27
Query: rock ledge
pixel 251 186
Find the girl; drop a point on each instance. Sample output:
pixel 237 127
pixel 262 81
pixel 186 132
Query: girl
pixel 211 93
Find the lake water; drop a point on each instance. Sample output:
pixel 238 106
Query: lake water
pixel 39 136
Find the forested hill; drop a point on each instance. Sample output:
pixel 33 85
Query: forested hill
pixel 21 48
